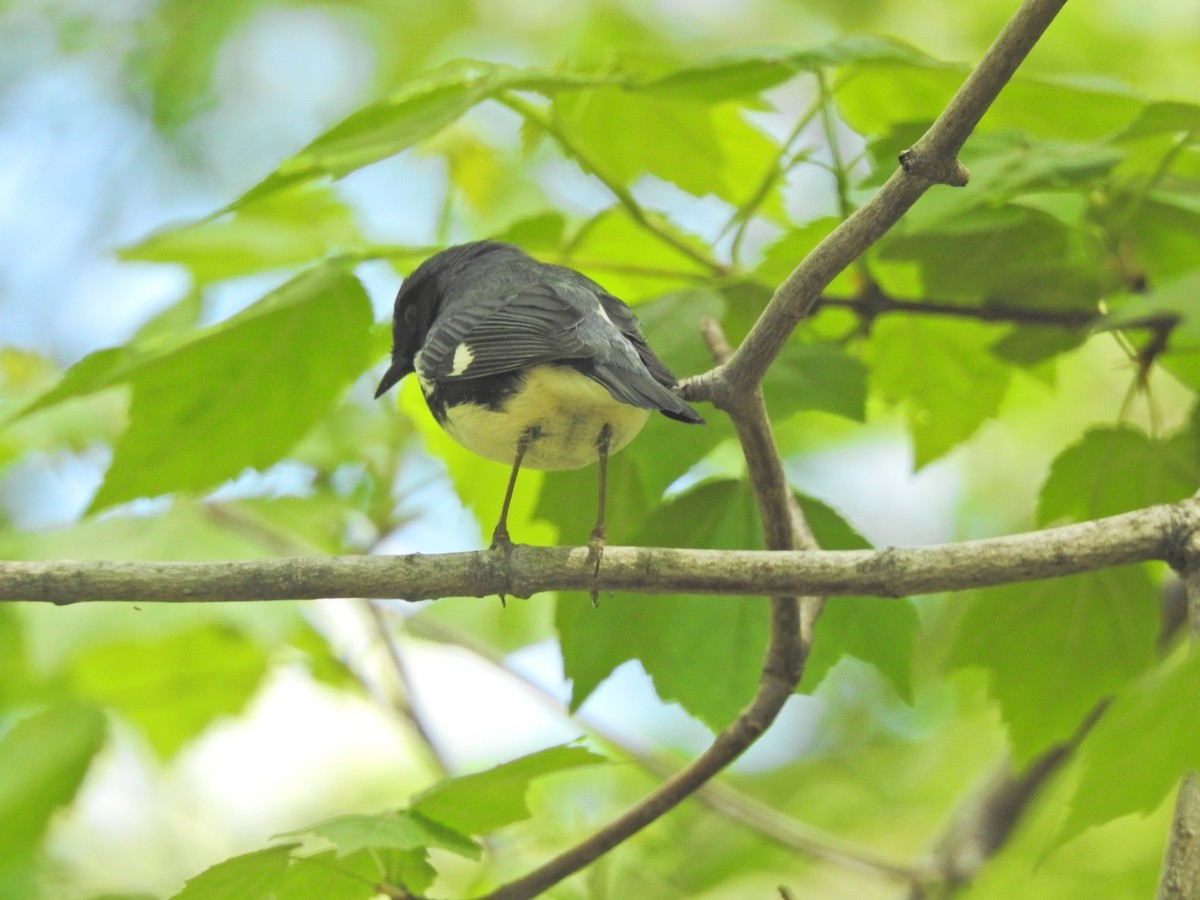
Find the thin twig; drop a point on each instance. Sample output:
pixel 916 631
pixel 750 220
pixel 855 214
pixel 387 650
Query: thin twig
pixel 1179 878
pixel 404 704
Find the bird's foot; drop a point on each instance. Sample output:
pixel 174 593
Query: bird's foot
pixel 502 543
pixel 596 544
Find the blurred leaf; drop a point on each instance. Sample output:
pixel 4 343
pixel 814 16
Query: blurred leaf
pixel 941 374
pixel 1164 235
pixel 1170 116
pixel 489 800
pixel 178 48
pixel 1115 470
pixel 173 688
pixel 615 251
pixel 878 97
pixel 541 231
pixel 392 830
pixel 251 876
pixel 1054 649
pixel 1136 754
pixel 43 760
pixel 286 229
pixel 751 71
pixel 227 399
pixel 418 109
pixel 680 640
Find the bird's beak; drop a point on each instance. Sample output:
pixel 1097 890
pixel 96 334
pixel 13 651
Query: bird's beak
pixel 394 373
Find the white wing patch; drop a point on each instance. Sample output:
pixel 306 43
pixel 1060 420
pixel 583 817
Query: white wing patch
pixel 604 313
pixel 463 357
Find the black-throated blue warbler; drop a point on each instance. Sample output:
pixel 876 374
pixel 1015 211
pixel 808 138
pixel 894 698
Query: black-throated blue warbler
pixel 527 363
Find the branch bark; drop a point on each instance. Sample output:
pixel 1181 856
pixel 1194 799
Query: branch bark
pixel 1180 875
pixel 1153 533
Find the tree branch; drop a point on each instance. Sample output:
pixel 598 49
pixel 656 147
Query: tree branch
pixel 1180 875
pixel 1153 533
pixel 933 158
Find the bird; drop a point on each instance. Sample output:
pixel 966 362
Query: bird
pixel 527 363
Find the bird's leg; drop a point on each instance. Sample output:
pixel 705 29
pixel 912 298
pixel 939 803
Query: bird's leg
pixel 500 537
pixel 598 536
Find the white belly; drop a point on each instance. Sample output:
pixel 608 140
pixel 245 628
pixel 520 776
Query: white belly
pixel 568 409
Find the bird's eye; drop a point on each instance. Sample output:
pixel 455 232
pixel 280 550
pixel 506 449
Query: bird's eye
pixel 410 316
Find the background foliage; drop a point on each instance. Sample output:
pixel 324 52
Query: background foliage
pixel 1018 353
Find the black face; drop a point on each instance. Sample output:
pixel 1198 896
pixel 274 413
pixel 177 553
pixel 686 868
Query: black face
pixel 417 305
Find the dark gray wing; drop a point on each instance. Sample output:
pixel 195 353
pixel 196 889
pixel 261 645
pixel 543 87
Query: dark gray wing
pixel 504 334
pixel 568 320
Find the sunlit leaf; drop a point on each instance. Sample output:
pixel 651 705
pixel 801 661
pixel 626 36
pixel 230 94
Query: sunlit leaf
pixel 1115 470
pixel 251 876
pixel 284 229
pixel 941 374
pixel 483 802
pixel 680 641
pixel 227 399
pixel 1054 649
pixel 393 830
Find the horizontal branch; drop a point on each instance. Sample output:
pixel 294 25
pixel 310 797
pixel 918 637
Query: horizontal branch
pixel 1155 533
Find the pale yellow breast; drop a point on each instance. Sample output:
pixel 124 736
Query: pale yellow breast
pixel 568 409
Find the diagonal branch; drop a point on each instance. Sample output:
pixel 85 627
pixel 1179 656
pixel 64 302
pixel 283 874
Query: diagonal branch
pixel 932 159
pixel 1180 876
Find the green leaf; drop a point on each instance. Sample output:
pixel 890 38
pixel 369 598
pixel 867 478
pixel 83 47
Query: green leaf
pixel 880 96
pixel 489 800
pixel 43 760
pixel 1136 754
pixel 1163 116
pixel 628 134
pixel 1114 470
pixel 816 376
pixel 173 688
pixel 239 394
pixel 418 109
pixel 877 631
pixel 941 374
pixel 606 247
pixel 251 876
pixel 392 830
pixel 1053 649
pixel 329 876
pixel 679 640
pixel 746 72
pixel 282 230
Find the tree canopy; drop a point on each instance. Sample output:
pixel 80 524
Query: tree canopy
pixel 1019 354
